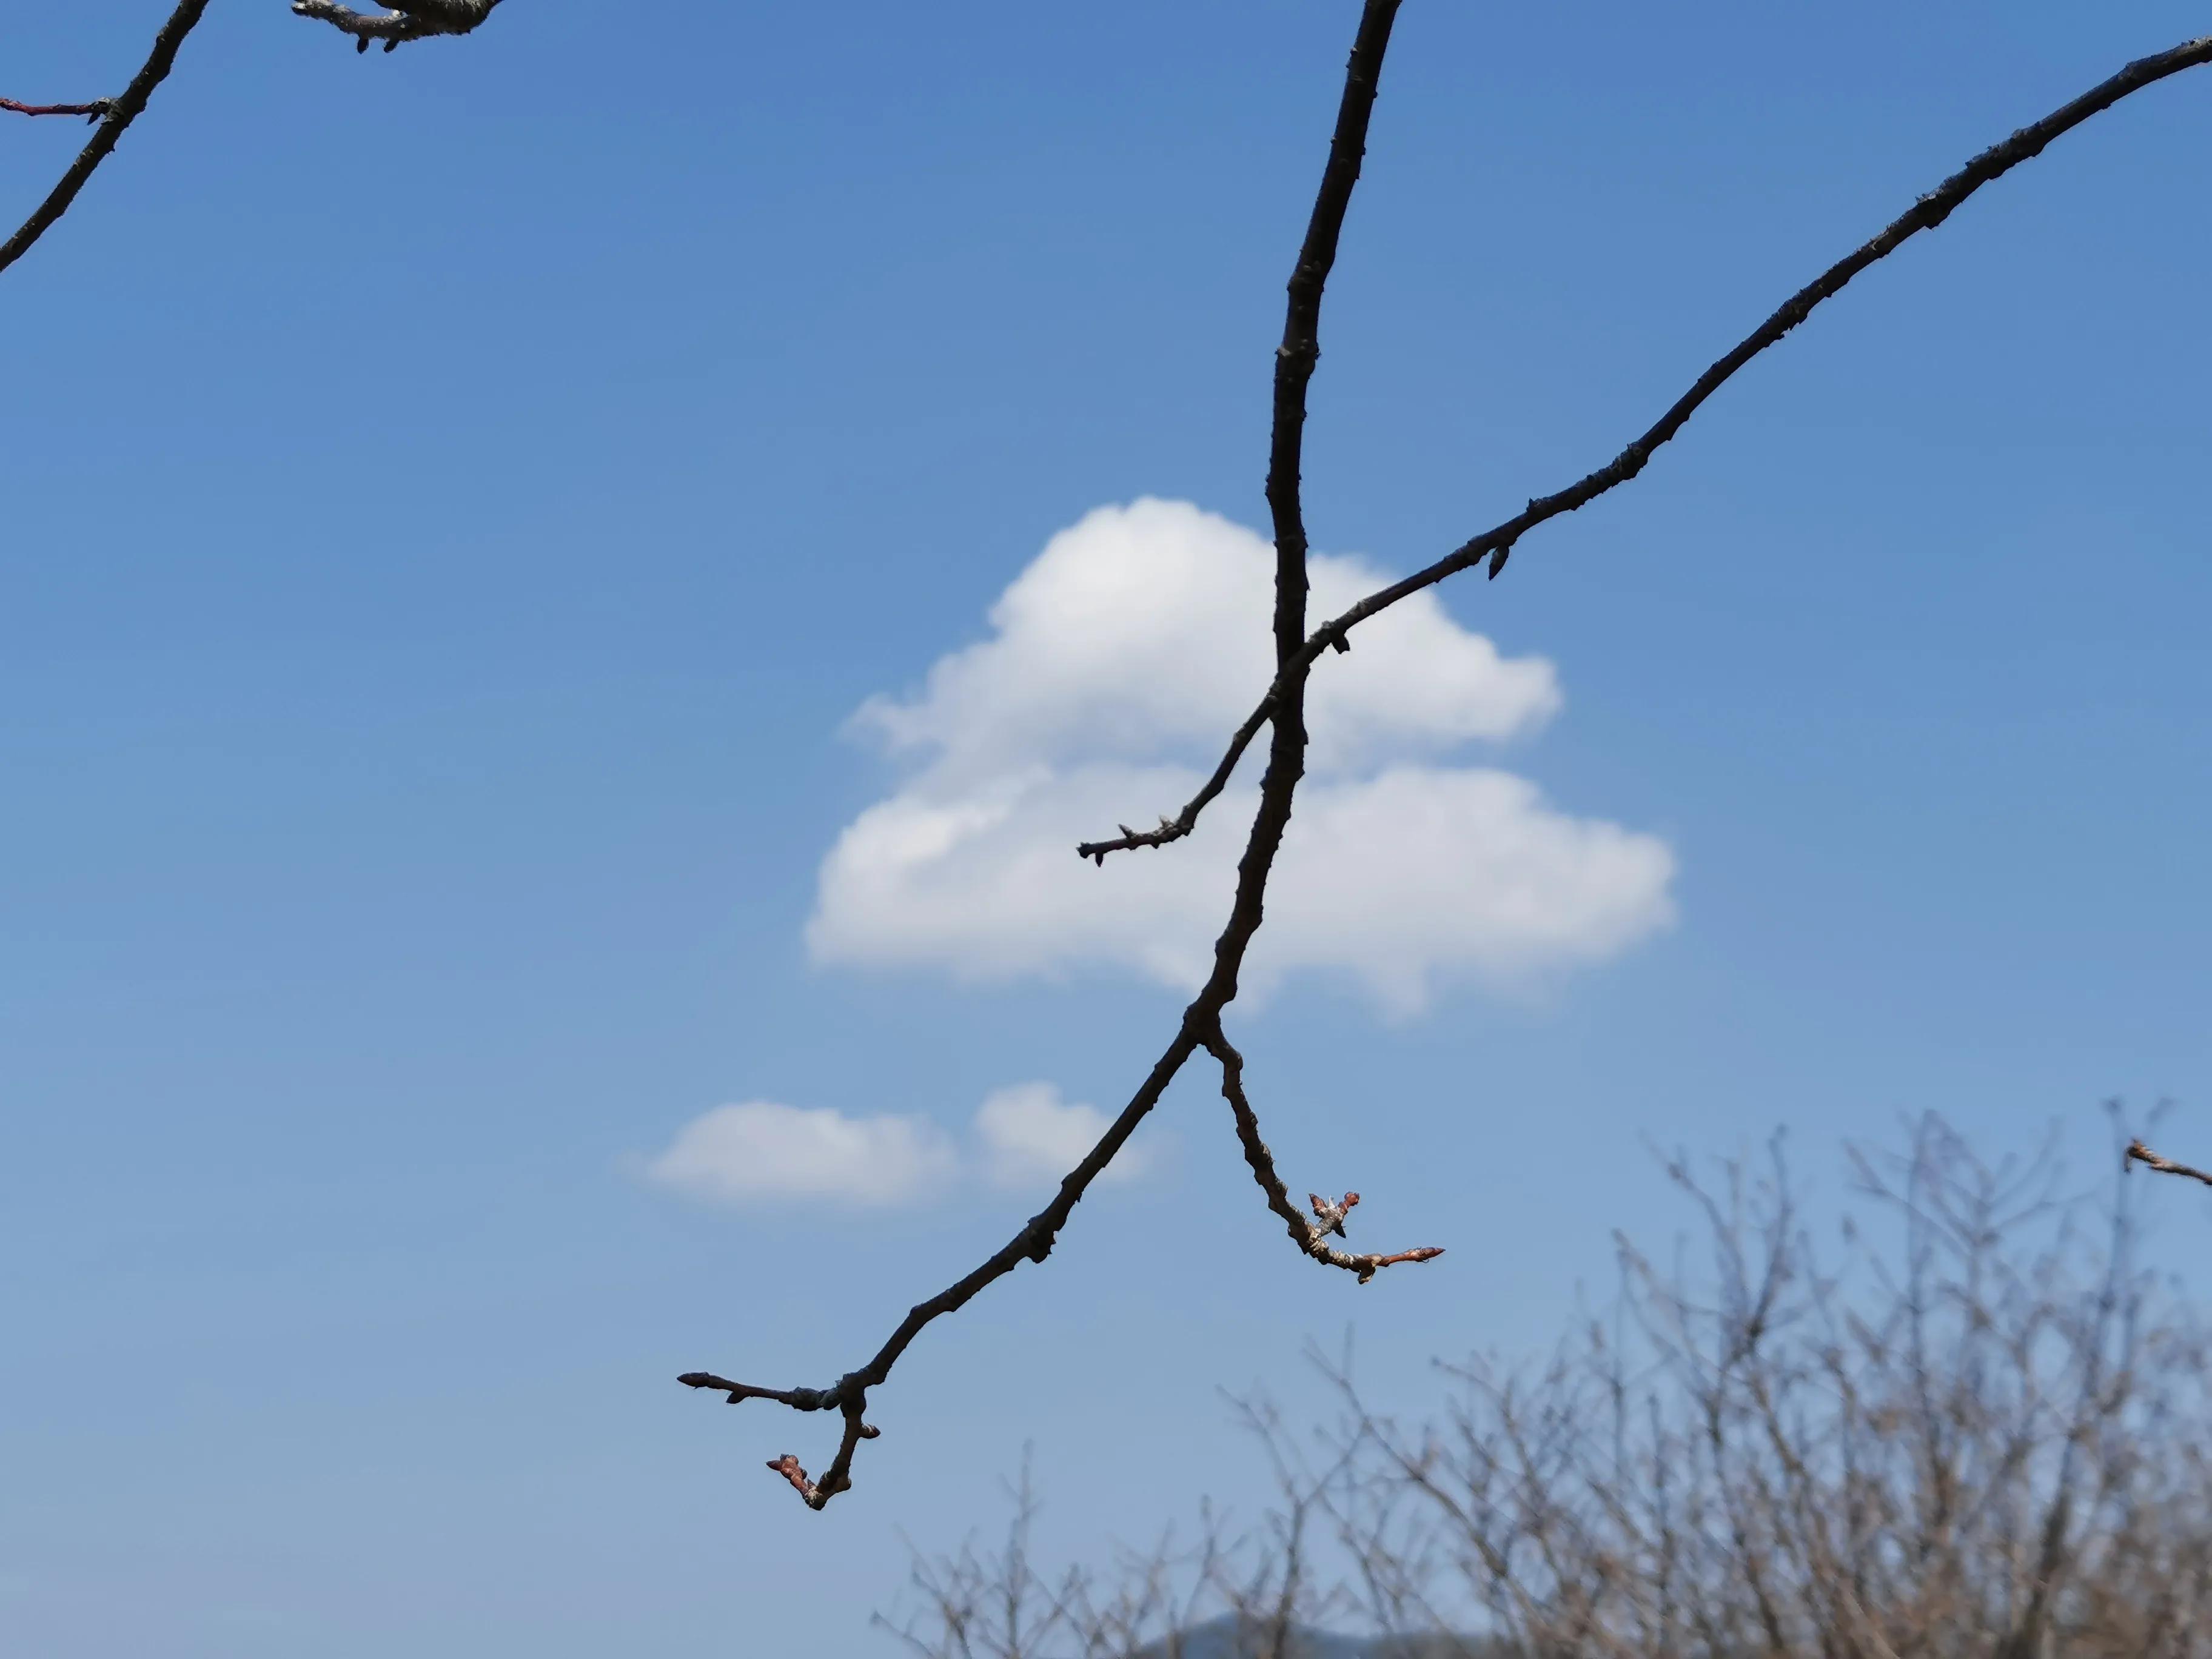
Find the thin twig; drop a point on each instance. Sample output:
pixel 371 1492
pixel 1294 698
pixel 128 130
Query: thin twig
pixel 2139 1153
pixel 1184 822
pixel 97 108
pixel 1285 765
pixel 1311 1236
pixel 1495 545
pixel 119 113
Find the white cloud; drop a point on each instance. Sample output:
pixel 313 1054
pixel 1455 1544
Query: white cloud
pixel 1142 633
pixel 763 1154
pixel 1120 661
pixel 1031 1138
pixel 763 1150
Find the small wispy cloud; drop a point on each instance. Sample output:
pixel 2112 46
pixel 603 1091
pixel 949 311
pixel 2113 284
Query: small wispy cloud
pixel 1030 1137
pixel 761 1152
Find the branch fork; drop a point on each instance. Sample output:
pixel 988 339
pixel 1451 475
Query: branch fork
pixel 1496 545
pixel 849 1395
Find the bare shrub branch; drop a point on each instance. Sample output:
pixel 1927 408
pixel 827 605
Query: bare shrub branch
pixel 1980 1429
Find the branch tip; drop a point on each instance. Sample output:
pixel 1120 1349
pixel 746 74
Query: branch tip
pixel 1369 1265
pixel 2139 1153
pixel 98 110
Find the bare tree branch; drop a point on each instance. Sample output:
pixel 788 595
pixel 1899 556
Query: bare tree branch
pixel 409 22
pixel 1283 709
pixel 413 20
pixel 2139 1153
pixel 117 114
pixel 1287 759
pixel 1496 543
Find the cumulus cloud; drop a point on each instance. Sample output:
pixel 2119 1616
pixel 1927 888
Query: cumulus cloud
pixel 761 1153
pixel 1031 1138
pixel 1142 633
pixel 1117 664
pixel 760 1149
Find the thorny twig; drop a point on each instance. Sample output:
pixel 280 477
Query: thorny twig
pixel 1282 709
pixel 414 20
pixel 115 115
pixel 2139 1153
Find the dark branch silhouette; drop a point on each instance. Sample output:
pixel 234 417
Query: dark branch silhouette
pixel 1282 710
pixel 1287 759
pixel 116 116
pixel 1496 545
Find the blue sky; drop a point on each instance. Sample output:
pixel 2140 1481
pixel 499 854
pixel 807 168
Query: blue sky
pixel 457 502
